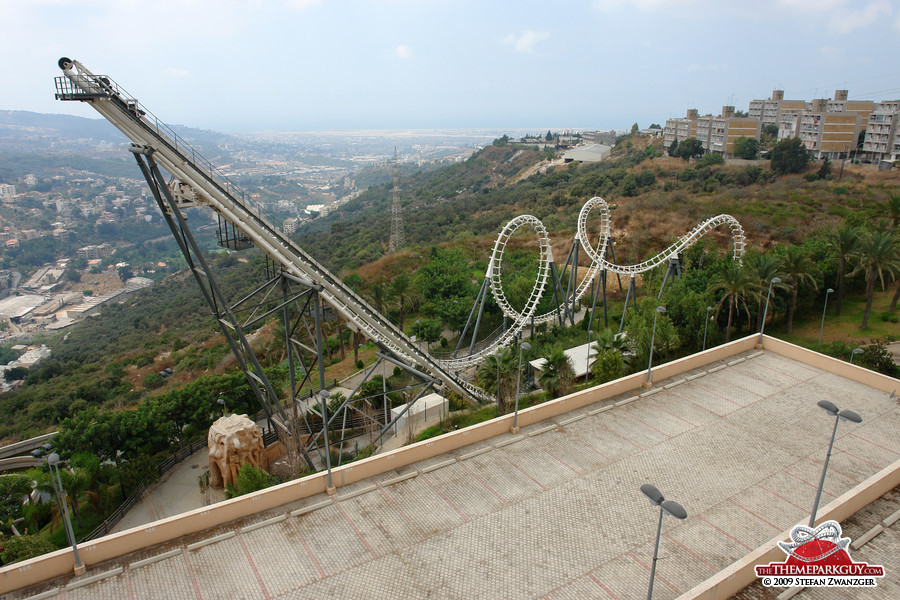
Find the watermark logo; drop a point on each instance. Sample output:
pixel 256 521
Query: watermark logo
pixel 818 558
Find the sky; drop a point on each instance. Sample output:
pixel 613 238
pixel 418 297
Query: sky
pixel 254 65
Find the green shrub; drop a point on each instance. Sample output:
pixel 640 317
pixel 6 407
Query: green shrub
pixel 360 364
pixel 23 547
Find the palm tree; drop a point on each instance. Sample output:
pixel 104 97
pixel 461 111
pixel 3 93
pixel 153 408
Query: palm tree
pixel 736 285
pixel 497 376
pixel 378 295
pixel 878 255
pixel 894 209
pixel 557 374
pixel 402 289
pixel 767 267
pixel 844 242
pixel 799 269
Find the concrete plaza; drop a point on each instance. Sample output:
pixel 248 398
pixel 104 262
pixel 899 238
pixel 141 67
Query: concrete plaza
pixel 554 512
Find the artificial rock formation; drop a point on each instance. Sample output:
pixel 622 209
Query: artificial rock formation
pixel 233 441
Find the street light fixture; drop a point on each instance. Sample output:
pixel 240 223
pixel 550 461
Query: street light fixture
pixel 669 507
pixel 221 400
pixel 706 325
pixel 587 368
pixel 839 415
pixel 53 461
pixel 855 352
pixel 762 325
pixel 524 347
pixel 324 395
pixel 824 308
pixel 659 309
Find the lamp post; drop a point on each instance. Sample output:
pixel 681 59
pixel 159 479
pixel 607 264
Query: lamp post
pixel 854 352
pixel 53 461
pixel 324 395
pixel 587 368
pixel 706 325
pixel 524 347
pixel 669 507
pixel 221 400
pixel 839 415
pixel 762 325
pixel 659 309
pixel 824 308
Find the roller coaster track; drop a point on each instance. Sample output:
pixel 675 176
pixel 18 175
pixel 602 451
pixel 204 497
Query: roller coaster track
pixel 597 254
pixel 201 183
pixel 211 188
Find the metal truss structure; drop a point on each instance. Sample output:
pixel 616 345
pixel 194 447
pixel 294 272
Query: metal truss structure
pixel 300 288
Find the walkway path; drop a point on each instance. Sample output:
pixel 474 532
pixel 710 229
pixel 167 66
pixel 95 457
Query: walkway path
pixel 556 511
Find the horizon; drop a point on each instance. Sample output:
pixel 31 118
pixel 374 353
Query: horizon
pixel 321 65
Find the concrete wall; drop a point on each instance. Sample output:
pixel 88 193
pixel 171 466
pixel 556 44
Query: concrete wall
pixel 61 562
pixel 739 575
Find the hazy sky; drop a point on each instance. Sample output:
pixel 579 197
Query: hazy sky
pixel 242 65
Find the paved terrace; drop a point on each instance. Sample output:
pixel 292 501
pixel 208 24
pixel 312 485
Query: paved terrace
pixel 554 512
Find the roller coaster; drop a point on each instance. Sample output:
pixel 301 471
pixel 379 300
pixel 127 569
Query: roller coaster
pixel 298 287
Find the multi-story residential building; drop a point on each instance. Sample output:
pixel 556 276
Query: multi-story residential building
pixel 828 134
pixel 881 141
pixel 95 252
pixel 680 129
pixel 769 111
pixel 718 134
pixel 7 192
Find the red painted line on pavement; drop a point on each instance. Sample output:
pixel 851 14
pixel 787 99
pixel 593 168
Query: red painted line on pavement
pixel 396 507
pixel 240 538
pixel 561 461
pixel 444 498
pixel 692 553
pixel 605 589
pixel 522 471
pixel 128 584
pixel 831 469
pixel 312 556
pixel 353 526
pixel 658 576
pixel 680 418
pixel 800 479
pixel 648 425
pixel 191 573
pixel 626 439
pixel 777 495
pixel 744 508
pixel 874 444
pixel 857 457
pixel 484 483
pixel 722 531
pixel 701 407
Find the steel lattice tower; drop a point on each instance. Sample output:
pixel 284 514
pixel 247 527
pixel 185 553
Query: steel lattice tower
pixel 397 240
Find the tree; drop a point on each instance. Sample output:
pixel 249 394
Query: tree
pixel 767 267
pixel 877 256
pixel 609 365
pixel 709 159
pixel 736 285
pixel 673 149
pixel 548 137
pixel 23 547
pixel 689 148
pixel 789 156
pixel 250 479
pixel 557 374
pixel 825 169
pixel 634 129
pixel 799 269
pixel 497 375
pixel 844 242
pixel 746 148
pixel 402 288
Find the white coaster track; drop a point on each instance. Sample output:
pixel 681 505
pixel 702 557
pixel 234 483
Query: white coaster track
pixel 598 263
pixel 199 183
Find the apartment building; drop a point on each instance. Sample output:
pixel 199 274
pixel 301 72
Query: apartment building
pixel 718 134
pixel 827 133
pixel 769 111
pixel 882 134
pixel 680 129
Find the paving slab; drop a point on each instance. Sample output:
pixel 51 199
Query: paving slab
pixel 555 515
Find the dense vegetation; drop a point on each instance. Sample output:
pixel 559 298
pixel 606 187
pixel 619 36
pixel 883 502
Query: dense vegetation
pixel 813 232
